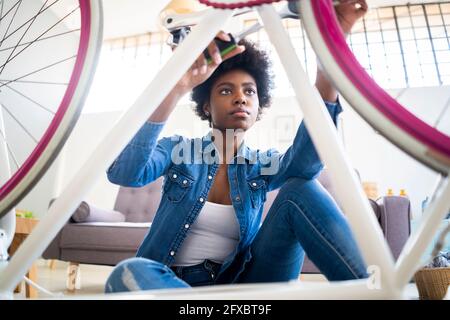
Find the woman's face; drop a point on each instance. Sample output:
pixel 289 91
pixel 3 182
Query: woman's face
pixel 234 102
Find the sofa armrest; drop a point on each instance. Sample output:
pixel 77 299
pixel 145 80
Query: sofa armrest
pixel 395 216
pixel 87 212
pixel 53 251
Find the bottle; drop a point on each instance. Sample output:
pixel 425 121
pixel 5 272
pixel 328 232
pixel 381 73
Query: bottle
pixel 390 192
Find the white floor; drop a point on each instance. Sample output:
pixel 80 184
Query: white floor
pixel 93 278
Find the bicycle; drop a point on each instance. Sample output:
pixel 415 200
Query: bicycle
pixel 415 137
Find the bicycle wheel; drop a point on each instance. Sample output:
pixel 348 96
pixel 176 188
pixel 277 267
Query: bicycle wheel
pixel 48 52
pixel 402 127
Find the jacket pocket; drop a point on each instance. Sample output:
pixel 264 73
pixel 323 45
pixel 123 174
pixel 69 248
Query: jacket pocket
pixel 177 185
pixel 257 189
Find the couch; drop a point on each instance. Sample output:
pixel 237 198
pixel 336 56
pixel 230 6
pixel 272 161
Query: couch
pixel 105 243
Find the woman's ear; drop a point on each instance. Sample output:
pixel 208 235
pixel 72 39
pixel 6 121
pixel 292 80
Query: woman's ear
pixel 260 114
pixel 206 110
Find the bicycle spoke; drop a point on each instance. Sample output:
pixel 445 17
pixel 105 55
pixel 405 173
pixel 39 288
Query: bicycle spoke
pixel 37 82
pixel 38 37
pixel 23 35
pixel 1 13
pixel 29 99
pixel 36 71
pixel 42 39
pixel 12 19
pixel 1 17
pixel 20 124
pixel 32 18
pixel 67 58
pixel 13 156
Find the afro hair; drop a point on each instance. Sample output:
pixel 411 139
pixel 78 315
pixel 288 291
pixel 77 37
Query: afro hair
pixel 255 62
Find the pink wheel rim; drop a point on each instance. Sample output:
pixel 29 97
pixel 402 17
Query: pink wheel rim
pixel 19 175
pixel 237 5
pixel 333 37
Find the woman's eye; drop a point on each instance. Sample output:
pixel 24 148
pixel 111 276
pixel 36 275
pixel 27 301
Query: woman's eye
pixel 225 91
pixel 250 92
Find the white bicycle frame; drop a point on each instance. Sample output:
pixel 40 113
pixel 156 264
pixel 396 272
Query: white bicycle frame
pixel 388 280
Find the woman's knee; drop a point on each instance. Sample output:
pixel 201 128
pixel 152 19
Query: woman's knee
pixel 300 187
pixel 307 198
pixel 293 189
pixel 134 274
pixel 299 182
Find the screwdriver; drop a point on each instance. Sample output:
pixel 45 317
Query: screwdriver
pixel 228 46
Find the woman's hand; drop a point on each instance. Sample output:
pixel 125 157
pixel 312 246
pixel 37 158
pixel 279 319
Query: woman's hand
pixel 197 74
pixel 349 11
pixel 200 71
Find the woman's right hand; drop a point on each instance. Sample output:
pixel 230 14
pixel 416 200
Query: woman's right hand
pixel 200 70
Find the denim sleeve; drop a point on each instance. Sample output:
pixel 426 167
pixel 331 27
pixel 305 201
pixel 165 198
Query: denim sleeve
pixel 301 158
pixel 144 159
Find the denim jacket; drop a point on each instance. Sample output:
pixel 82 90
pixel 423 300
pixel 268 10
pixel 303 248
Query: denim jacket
pixel 189 167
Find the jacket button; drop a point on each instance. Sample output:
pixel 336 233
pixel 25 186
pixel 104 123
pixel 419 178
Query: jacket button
pixel 184 181
pixel 237 198
pixel 172 253
pixel 201 199
pixel 186 226
pixel 254 184
pixel 174 176
pixel 210 177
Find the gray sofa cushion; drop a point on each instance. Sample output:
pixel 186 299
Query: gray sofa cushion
pixel 81 213
pixel 139 204
pixel 88 213
pixel 110 237
pixel 396 227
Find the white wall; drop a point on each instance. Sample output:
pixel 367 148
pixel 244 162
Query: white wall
pixel 38 199
pixel 88 133
pixel 379 161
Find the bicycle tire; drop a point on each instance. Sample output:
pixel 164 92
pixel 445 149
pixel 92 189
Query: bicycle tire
pixel 409 133
pixel 67 114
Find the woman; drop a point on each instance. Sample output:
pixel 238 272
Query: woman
pixel 207 229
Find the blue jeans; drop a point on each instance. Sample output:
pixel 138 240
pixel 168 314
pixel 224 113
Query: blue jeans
pixel 303 218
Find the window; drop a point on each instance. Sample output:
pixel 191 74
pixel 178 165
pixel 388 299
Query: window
pixel 414 42
pixel 399 46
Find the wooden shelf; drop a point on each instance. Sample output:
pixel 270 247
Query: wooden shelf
pixel 25 225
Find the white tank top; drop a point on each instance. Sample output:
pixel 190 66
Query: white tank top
pixel 213 235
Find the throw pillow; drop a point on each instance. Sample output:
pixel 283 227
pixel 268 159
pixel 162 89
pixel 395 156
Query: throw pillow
pixel 89 213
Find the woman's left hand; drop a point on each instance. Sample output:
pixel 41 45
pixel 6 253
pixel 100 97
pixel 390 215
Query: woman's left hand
pixel 349 11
